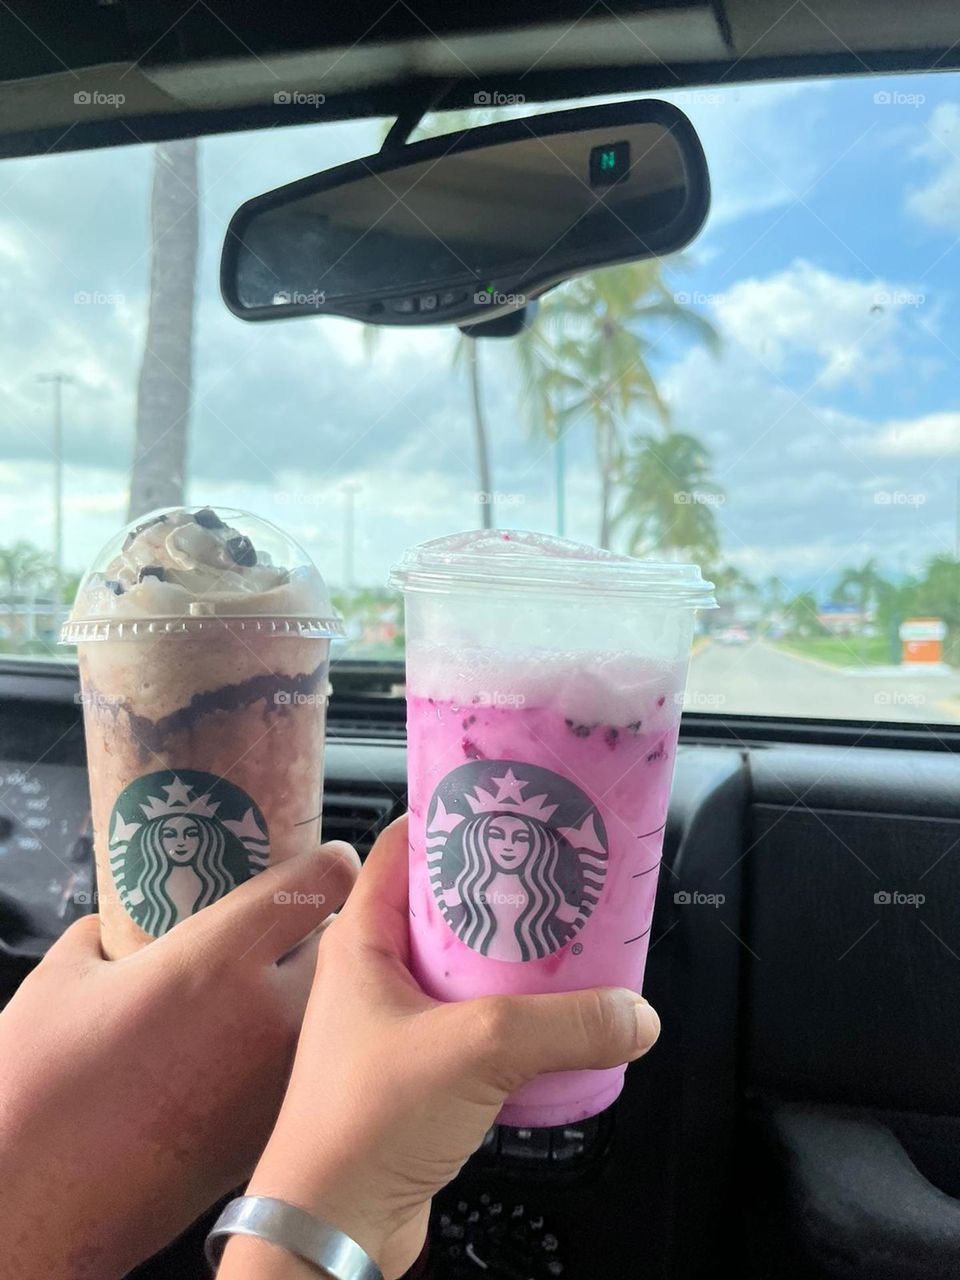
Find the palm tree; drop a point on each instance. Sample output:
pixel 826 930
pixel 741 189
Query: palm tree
pixel 669 501
pixel 24 566
pixel 164 390
pixel 729 578
pixel 466 352
pixel 735 587
pixel 865 587
pixel 595 346
pixel 802 615
pixel 24 570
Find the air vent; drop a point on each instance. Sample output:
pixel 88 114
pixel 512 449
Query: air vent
pixel 358 817
pixel 366 727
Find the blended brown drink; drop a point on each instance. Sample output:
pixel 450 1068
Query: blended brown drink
pixel 204 643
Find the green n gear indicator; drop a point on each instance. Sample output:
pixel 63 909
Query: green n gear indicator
pixel 609 163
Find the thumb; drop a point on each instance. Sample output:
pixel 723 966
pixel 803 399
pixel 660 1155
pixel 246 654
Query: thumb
pixel 79 944
pixel 514 1038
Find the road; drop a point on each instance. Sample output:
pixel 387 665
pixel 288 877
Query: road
pixel 760 679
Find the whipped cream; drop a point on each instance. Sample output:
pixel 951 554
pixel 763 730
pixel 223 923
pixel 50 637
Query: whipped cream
pixel 180 563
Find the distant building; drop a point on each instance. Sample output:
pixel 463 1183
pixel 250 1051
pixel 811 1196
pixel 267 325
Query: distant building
pixel 842 619
pixel 25 616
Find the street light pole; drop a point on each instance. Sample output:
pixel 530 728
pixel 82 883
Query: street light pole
pixel 57 380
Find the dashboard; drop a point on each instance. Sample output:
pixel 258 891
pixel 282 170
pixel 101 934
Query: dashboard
pixel 779 858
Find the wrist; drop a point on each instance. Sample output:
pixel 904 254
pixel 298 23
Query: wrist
pixel 245 1258
pixel 328 1194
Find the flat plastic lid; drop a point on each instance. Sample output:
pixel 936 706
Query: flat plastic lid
pixel 516 560
pixel 171 569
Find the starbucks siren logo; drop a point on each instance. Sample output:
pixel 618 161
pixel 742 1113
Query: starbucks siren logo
pixel 179 841
pixel 517 858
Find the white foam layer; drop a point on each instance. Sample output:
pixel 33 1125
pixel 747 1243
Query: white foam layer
pixel 590 688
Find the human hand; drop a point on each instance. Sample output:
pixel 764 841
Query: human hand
pixel 392 1091
pixel 136 1092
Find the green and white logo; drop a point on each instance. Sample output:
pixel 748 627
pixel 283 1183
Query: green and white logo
pixel 179 841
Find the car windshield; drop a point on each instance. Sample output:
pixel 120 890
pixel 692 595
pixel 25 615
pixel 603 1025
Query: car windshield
pixel 785 390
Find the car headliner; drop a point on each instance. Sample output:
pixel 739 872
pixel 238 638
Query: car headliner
pixel 155 69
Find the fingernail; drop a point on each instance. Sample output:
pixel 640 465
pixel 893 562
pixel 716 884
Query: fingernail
pixel 648 1024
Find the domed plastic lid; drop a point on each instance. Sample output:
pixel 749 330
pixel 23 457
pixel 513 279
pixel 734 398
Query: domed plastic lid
pixel 515 560
pixel 169 570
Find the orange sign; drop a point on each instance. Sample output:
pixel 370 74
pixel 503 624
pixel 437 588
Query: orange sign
pixel 922 640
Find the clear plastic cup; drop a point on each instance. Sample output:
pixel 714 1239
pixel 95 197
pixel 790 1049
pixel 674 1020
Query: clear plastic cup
pixel 204 641
pixel 544 689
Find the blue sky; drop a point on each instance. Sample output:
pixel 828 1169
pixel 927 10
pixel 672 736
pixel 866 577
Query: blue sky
pixel 829 265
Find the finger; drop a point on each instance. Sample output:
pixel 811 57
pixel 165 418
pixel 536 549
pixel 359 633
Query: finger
pixel 384 879
pixel 294 974
pixel 514 1038
pixel 267 916
pixel 378 910
pixel 307 900
pixel 312 940
pixel 80 944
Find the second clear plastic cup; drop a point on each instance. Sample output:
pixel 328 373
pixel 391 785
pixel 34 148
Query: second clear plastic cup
pixel 544 691
pixel 204 640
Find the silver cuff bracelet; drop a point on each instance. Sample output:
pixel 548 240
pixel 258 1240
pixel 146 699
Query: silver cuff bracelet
pixel 295 1230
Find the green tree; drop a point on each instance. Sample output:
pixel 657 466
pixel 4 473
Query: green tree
pixel 937 595
pixel 801 614
pixel 587 358
pixel 669 501
pixel 735 587
pixel 865 587
pixel 24 568
pixel 71 585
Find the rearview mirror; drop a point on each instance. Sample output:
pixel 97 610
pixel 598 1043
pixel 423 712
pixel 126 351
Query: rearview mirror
pixel 461 228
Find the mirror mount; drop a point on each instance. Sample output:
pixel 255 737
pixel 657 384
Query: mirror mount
pixel 507 325
pixel 398 135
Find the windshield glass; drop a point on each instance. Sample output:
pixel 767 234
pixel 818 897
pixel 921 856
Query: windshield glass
pixel 790 417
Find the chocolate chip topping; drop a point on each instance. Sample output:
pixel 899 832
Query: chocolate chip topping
pixel 135 532
pixel 152 571
pixel 207 518
pixel 242 551
pixel 580 730
pixel 113 585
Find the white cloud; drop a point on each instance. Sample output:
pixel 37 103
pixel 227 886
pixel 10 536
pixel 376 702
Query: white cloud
pixel 848 327
pixel 938 201
pixel 12 249
pixel 763 144
pixel 934 435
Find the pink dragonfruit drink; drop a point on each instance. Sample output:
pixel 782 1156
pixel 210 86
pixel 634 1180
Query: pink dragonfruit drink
pixel 544 690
